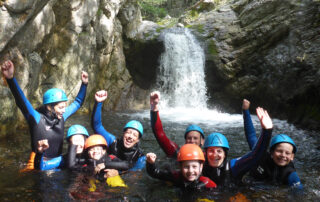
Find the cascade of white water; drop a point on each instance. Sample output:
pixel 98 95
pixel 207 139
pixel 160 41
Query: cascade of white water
pixel 181 79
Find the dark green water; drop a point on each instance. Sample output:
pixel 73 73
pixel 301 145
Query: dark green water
pixel 66 186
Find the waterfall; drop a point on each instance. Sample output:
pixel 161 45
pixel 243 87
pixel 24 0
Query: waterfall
pixel 181 79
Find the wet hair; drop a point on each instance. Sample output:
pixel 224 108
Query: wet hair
pixel 44 110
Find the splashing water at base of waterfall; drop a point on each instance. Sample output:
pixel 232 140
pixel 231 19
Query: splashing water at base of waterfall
pixel 181 80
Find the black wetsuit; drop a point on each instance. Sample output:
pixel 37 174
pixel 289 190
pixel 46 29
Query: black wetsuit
pixel 202 183
pixel 134 156
pixel 44 124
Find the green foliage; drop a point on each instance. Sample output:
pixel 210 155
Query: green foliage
pixel 198 27
pixel 194 13
pixel 212 48
pixel 151 11
pixel 99 12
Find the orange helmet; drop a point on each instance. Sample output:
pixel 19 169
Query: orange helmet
pixel 94 140
pixel 190 152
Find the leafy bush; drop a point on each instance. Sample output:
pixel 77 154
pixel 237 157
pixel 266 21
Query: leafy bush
pixel 151 10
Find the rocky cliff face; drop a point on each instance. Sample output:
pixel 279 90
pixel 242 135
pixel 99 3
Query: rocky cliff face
pixel 266 51
pixel 52 41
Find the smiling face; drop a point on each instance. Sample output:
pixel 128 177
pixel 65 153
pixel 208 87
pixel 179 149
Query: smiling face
pixel 215 156
pixel 59 109
pixel 130 137
pixel 191 170
pixel 282 154
pixel 194 137
pixel 96 152
pixel 79 141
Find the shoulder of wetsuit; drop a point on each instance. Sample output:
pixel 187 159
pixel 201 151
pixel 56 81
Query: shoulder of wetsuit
pixel 112 157
pixel 208 182
pixel 286 171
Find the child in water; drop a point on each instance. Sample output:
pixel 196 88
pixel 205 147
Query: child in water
pixel 98 162
pixel 76 137
pixel 276 166
pixel 189 177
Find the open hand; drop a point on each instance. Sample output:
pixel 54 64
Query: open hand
pixel 101 95
pixel 264 118
pixel 110 173
pixel 7 69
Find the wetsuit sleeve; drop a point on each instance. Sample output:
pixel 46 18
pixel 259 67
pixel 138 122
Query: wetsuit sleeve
pixel 77 103
pixel 140 164
pixel 243 164
pixel 207 182
pixel 52 163
pixel 155 172
pixel 168 146
pixel 71 156
pixel 249 129
pixel 97 126
pixel 294 181
pixel 117 164
pixel 22 102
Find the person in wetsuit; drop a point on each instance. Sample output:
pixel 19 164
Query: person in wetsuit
pixel 193 134
pixel 46 124
pixel 189 177
pixel 276 166
pixel 229 173
pixel 98 162
pixel 76 137
pixel 125 148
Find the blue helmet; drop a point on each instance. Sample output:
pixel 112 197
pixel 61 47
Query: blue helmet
pixel 216 140
pixel 193 128
pixel 54 95
pixel 134 125
pixel 77 130
pixel 281 138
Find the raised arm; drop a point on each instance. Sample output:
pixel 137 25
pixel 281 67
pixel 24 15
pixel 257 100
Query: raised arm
pixel 22 102
pixel 96 122
pixel 79 100
pixel 168 146
pixel 248 125
pixel 154 172
pixel 243 164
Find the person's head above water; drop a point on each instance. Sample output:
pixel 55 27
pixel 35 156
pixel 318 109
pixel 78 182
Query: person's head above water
pixel 282 149
pixel 191 160
pixel 216 148
pixel 132 132
pixel 55 101
pixel 77 135
pixel 194 135
pixel 96 146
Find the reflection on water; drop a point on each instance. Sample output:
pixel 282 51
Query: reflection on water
pixel 66 186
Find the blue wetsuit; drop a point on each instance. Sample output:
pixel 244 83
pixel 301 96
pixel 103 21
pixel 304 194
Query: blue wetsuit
pixel 266 169
pixel 45 125
pixel 235 169
pixel 134 156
